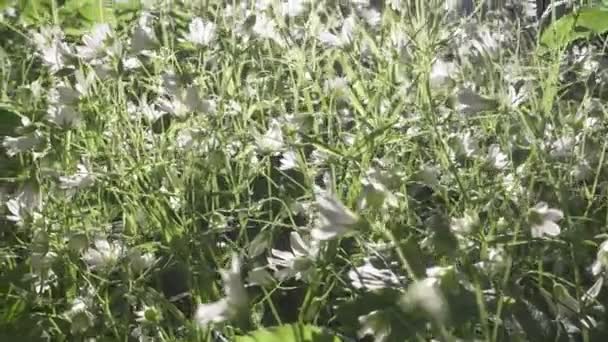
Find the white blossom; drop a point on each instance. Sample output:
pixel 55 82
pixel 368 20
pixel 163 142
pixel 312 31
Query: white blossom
pixel 201 32
pixel 232 305
pixel 298 263
pixel 103 255
pixel 496 159
pixel 81 179
pixel 543 220
pixel 272 140
pixel 341 39
pixel 335 219
pixel 20 144
pixel 369 277
pixel 94 42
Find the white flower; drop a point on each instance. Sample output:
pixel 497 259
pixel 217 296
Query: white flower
pixel 201 32
pixel 441 74
pixel 81 179
pixel 139 262
pixel 375 193
pixel 465 145
pixel 335 219
pixel 266 28
pixel 343 38
pixel 232 305
pixel 563 147
pixel 260 276
pixel 272 140
pixel 51 47
pixel 94 42
pixel 297 263
pixel 27 202
pixel 466 224
pixel 543 220
pixel 289 160
pixel 185 101
pixel 293 8
pixel 496 158
pixel 425 295
pixel 144 38
pixel 369 277
pixel 15 145
pixel 375 324
pixel 64 116
pixel 601 260
pixel 469 102
pixel 103 255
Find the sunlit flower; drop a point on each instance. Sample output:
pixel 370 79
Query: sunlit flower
pixel 469 102
pixel 103 255
pixel 26 203
pixel 375 193
pixel 369 277
pixel 465 145
pixel 266 28
pixel 94 42
pixel 294 8
pixel 52 49
pixel 441 74
pixel 272 140
pixel 465 225
pixel 341 39
pixel 375 324
pixel 289 160
pixel 139 261
pixel 235 302
pixel 64 116
pixel 601 260
pixel 81 179
pixel 543 220
pixel 144 38
pixel 425 295
pixel 80 316
pixel 20 144
pixel 201 32
pixel 496 159
pixel 335 219
pixel 298 263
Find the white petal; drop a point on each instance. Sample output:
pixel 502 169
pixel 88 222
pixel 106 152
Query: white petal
pixel 554 215
pixel 215 312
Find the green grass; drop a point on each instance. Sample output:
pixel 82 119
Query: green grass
pixel 357 188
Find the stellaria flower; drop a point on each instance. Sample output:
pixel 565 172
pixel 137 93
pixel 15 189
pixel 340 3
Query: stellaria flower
pixel 341 39
pixel 81 179
pixel 94 42
pixel 297 263
pixel 543 220
pixel 335 219
pixel 144 38
pixel 201 32
pixel 425 295
pixel 272 140
pixel 103 255
pixel 26 203
pixel 368 276
pixel 601 260
pixel 20 144
pixel 496 159
pixel 148 315
pixel 64 116
pixel 234 304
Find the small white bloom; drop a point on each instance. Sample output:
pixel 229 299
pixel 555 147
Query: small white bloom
pixel 375 324
pixel 64 116
pixel 272 140
pixel 563 147
pixel 367 276
pixel 235 302
pixel 496 158
pixel 81 179
pixel 260 276
pixel 201 32
pixel 139 262
pixel 466 224
pixel 441 74
pixel 94 42
pixel 16 145
pixel 144 38
pixel 465 145
pixel 469 102
pixel 27 202
pixel 103 255
pixel 343 38
pixel 543 220
pixel 425 295
pixel 335 219
pixel 375 193
pixel 601 260
pixel 297 263
pixel 289 161
pixel 293 8
pixel 266 28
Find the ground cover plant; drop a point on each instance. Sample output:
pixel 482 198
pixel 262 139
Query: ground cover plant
pixel 301 170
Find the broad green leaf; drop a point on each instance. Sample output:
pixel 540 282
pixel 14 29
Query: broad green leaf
pixel 34 11
pixel 289 333
pixel 582 24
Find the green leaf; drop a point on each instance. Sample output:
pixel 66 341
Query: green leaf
pixel 289 333
pixel 34 11
pixel 584 23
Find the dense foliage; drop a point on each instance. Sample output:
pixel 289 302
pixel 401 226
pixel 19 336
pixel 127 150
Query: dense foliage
pixel 301 170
